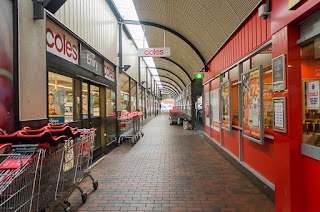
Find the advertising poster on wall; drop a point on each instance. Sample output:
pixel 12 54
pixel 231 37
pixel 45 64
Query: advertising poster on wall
pixel 215 109
pixel 313 95
pixel 85 106
pixel 279 109
pixel 252 105
pixel 226 105
pixel 6 67
pixel 207 109
pixel 56 104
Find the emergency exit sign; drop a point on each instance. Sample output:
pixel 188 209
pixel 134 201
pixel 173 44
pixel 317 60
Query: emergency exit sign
pixel 198 75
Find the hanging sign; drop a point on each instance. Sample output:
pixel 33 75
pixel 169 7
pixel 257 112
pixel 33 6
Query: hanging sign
pixel 253 127
pixel 313 95
pixel 278 73
pixel 154 52
pixel 226 105
pixel 279 114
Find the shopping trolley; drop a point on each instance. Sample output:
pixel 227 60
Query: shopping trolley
pixel 126 128
pixel 137 120
pixel 74 168
pixel 19 175
pixel 174 116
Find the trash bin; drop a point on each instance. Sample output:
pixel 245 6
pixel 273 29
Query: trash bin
pixel 186 125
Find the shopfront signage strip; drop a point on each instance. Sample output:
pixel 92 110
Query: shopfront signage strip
pixel 91 61
pixel 109 72
pixel 60 43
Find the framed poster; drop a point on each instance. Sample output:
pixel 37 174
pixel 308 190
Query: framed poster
pixel 252 104
pixel 207 112
pixel 214 105
pixel 313 95
pixel 226 115
pixel 279 114
pixel 278 73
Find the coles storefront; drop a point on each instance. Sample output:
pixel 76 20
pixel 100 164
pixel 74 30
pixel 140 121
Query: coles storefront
pixel 81 85
pixel 262 103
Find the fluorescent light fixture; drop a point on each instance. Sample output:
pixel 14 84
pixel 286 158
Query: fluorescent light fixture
pixel 128 12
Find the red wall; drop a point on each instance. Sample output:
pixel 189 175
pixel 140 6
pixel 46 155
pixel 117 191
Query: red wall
pixel 311 192
pixel 280 161
pixel 231 141
pixel 253 32
pixel 281 16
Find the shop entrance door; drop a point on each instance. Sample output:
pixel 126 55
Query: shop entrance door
pixel 91 113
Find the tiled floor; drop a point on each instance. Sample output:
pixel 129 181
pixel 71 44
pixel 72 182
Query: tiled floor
pixel 169 169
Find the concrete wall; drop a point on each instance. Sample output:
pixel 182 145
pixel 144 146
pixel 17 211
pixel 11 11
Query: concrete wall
pixel 32 64
pixel 94 22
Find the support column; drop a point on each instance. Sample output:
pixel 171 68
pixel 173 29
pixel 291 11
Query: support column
pixel 288 158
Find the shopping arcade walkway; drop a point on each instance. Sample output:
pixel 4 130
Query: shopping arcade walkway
pixel 170 169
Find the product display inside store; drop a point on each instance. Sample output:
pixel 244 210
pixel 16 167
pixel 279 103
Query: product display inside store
pixel 310 67
pixel 60 98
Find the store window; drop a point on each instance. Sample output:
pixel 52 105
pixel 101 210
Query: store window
pixel 133 94
pixel 60 98
pixel 234 78
pixel 94 101
pixel 264 58
pixel 124 92
pixel 142 91
pixel 77 96
pixel 111 115
pixel 310 70
pixel 111 102
pixel 85 100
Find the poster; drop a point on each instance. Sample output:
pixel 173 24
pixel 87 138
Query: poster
pixel 226 105
pixel 214 105
pixel 279 109
pixel 56 106
pixel 278 73
pixel 6 66
pixel 252 105
pixel 207 109
pixel 85 105
pixel 313 95
pixel 267 108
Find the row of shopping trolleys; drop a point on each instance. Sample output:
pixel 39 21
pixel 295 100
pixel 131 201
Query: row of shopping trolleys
pixel 41 168
pixel 130 127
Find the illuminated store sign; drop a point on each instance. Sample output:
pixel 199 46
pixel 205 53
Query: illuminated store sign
pixel 61 43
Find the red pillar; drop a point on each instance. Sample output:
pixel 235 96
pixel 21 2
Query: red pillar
pixel 288 158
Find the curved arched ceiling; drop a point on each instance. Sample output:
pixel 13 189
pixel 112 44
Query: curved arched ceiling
pixel 171 81
pixel 182 53
pixel 169 84
pixel 195 30
pixel 207 24
pixel 162 63
pixel 165 74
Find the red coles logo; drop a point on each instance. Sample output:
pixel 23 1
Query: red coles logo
pixel 153 52
pixel 59 45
